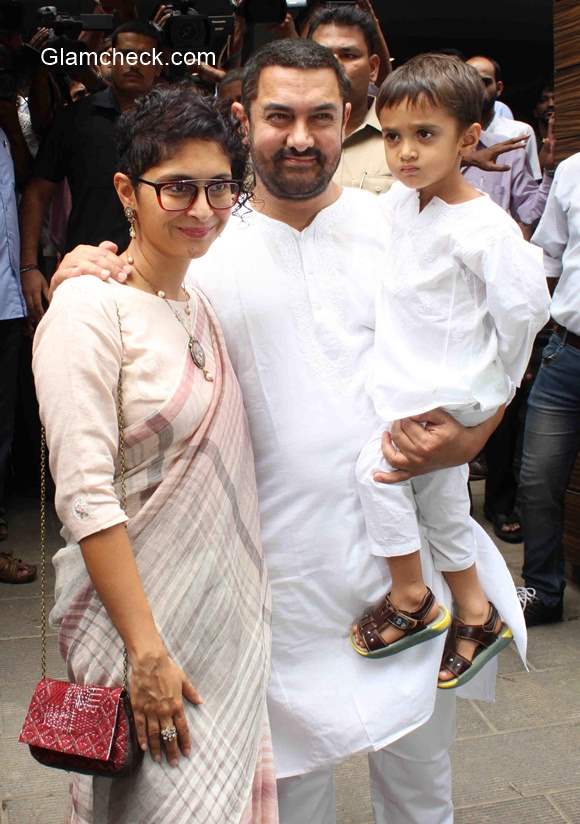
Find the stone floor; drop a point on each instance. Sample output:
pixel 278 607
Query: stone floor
pixel 515 762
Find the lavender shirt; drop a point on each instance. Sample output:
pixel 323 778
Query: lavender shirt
pixel 516 190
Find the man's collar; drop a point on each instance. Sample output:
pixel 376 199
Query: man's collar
pixel 105 99
pixel 371 121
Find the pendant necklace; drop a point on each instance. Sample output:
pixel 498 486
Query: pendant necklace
pixel 196 350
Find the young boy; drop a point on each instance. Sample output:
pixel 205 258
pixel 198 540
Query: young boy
pixel 457 312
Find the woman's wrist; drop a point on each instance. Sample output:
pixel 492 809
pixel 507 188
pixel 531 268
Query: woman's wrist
pixel 145 648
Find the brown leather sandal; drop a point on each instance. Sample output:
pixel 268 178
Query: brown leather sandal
pixel 14 570
pixel 489 642
pixel 412 624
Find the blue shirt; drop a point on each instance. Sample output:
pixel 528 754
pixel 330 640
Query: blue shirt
pixel 12 303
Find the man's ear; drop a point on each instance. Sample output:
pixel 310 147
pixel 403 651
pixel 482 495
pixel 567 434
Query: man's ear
pixel 499 87
pixel 470 139
pixel 239 113
pixel 375 64
pixel 345 117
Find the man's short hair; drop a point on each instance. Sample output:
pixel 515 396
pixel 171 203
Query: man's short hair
pixel 293 53
pixel 350 16
pixel 137 27
pixel 441 81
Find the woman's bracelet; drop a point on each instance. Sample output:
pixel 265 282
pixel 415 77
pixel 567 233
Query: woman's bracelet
pixel 28 268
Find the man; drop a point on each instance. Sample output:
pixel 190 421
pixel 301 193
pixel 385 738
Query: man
pixel 293 282
pixel 350 34
pixel 12 314
pixel 499 126
pixel 544 112
pixel 80 147
pixel 552 430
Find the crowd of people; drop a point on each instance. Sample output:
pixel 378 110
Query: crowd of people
pixel 323 287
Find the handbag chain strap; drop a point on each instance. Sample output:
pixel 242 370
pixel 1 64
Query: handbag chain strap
pixel 123 502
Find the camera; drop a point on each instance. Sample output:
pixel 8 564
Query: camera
pixel 193 25
pixel 70 26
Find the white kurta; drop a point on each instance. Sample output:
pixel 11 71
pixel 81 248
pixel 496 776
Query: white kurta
pixel 297 309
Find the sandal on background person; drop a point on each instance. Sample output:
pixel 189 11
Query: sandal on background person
pixel 365 634
pixel 490 638
pixel 15 570
pixel 507 528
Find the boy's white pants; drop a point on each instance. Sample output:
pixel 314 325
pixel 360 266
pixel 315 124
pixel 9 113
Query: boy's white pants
pixel 438 501
pixel 410 781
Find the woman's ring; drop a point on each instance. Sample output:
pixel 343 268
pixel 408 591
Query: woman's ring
pixel 168 734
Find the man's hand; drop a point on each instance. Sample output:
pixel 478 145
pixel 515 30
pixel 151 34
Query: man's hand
pixel 284 29
pixel 100 261
pixel 486 159
pixel 434 440
pixel 39 39
pixel 161 17
pixel 34 289
pixel 547 154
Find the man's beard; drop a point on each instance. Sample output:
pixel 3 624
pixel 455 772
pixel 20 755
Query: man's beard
pixel 488 104
pixel 296 184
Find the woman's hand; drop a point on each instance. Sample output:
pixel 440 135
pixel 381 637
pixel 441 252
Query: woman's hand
pixel 100 261
pixel 157 689
pixel 432 441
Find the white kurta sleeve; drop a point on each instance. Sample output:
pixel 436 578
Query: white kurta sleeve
pixel 76 361
pixel 552 232
pixel 517 295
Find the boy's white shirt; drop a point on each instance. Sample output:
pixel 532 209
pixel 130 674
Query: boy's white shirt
pixel 459 306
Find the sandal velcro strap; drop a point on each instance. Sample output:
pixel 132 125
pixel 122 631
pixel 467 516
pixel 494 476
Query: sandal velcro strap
pixel 376 620
pixel 455 663
pixel 483 635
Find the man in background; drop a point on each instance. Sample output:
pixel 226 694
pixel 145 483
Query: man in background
pixel 349 33
pixel 80 148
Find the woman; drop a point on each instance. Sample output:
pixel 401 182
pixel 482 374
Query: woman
pixel 179 580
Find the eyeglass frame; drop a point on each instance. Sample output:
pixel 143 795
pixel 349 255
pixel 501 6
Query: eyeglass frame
pixel 208 182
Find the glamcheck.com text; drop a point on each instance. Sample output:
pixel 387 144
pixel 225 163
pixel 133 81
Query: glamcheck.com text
pixel 52 56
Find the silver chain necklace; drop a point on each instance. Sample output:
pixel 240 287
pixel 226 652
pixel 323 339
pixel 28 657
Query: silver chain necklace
pixel 196 350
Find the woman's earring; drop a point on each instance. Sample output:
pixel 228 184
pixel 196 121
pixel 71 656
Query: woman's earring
pixel 130 215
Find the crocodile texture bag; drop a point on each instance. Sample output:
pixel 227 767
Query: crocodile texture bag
pixel 87 729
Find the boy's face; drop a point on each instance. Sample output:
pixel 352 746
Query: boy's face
pixel 424 143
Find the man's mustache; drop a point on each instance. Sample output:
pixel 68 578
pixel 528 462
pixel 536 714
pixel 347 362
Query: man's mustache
pixel 285 154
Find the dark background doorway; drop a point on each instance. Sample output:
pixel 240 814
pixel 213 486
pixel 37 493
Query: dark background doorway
pixel 517 33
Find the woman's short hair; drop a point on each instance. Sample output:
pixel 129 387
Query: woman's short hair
pixel 184 115
pixel 293 53
pixel 440 80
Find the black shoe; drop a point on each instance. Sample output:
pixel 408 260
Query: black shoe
pixel 536 611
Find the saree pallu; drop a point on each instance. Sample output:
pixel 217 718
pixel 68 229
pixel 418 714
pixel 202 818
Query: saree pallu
pixel 194 529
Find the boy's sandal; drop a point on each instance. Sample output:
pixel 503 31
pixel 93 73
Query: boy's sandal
pixel 489 642
pixel 14 570
pixel 412 624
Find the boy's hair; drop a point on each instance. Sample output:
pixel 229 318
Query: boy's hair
pixel 440 80
pixel 349 16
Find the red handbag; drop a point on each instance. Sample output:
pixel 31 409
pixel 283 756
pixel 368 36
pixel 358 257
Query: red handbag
pixel 87 729
pixel 84 728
